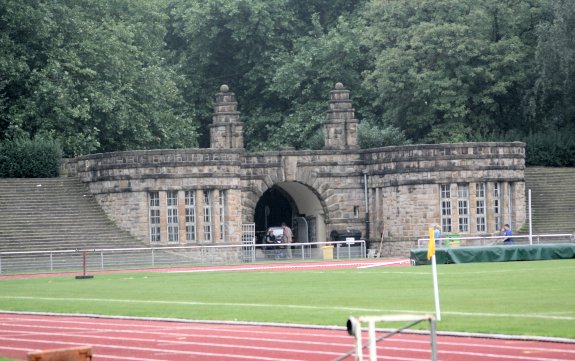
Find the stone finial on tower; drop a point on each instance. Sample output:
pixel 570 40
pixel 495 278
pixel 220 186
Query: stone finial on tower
pixel 340 123
pixel 226 130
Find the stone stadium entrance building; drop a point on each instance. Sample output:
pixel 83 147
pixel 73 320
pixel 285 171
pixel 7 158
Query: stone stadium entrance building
pixel 394 194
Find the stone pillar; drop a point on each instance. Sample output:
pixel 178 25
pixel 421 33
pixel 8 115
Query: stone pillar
pixel 472 208
pixel 163 217
pixel 226 130
pixel 340 124
pixel 490 208
pixel 216 232
pixel 200 216
pixel 454 208
pixel 182 217
pixel 505 211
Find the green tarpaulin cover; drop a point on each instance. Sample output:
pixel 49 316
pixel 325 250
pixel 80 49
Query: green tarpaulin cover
pixel 495 253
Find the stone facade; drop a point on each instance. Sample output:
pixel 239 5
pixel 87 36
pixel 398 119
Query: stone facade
pixel 327 187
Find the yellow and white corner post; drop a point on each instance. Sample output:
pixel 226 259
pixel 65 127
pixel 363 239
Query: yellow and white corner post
pixel 431 256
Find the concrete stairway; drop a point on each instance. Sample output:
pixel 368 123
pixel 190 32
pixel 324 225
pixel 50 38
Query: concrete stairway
pixel 552 199
pixel 55 214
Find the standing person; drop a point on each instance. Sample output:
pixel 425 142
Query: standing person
pixel 437 235
pixel 287 238
pixel 507 233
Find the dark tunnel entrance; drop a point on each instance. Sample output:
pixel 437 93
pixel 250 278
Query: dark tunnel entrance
pixel 274 207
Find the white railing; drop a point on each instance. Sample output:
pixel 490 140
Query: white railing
pixel 498 240
pixel 167 257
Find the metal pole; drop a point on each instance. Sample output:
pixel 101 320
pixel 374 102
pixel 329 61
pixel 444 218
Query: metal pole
pixel 365 172
pixel 530 220
pixel 433 332
pixel 84 255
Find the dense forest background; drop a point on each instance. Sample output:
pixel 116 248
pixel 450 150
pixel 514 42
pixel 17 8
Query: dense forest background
pixel 107 75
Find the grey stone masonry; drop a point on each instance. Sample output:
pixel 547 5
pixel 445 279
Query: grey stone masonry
pixel 340 124
pixel 226 130
pixel 469 187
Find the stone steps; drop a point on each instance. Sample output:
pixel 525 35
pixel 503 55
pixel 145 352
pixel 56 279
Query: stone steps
pixel 552 199
pixel 55 214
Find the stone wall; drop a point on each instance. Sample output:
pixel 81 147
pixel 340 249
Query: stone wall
pixel 328 186
pixel 403 183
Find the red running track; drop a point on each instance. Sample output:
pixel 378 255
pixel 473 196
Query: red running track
pixel 135 339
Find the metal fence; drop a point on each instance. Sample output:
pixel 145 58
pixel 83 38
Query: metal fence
pixel 169 257
pixel 451 240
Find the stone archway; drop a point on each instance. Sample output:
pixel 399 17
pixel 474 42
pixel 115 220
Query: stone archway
pixel 288 202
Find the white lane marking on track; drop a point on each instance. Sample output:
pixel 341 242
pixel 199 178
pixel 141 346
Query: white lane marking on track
pixel 308 352
pixel 302 307
pixel 379 264
pixel 287 266
pixel 264 335
pixel 173 351
pixel 468 353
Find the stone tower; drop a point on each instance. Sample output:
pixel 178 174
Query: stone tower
pixel 340 123
pixel 226 130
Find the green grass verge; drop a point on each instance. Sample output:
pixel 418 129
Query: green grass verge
pixel 519 298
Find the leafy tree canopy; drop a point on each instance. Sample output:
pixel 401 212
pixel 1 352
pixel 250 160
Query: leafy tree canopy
pixel 90 73
pixel 135 74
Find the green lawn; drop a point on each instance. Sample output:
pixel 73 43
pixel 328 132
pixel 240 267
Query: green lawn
pixel 521 298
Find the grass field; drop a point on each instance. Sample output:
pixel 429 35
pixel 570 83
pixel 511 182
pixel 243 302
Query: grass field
pixel 518 298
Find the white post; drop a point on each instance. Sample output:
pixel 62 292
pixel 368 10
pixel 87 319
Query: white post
pixel 372 345
pixel 530 224
pixel 358 343
pixel 435 288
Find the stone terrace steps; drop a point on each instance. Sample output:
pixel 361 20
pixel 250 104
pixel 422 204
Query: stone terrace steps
pixel 552 199
pixel 53 214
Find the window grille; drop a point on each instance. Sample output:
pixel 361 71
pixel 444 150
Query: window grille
pixel 222 215
pixel 190 200
pixel 463 207
pixel 172 208
pixel 497 205
pixel 154 206
pixel 480 207
pixel 445 207
pixel 207 216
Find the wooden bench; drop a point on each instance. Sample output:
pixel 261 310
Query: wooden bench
pixel 81 353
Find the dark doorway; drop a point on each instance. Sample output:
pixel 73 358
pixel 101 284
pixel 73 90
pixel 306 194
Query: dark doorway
pixel 274 207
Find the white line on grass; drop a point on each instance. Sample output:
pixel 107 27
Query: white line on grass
pixel 303 307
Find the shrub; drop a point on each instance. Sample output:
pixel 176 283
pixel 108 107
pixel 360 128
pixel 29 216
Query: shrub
pixel 552 148
pixel 27 158
pixel 374 136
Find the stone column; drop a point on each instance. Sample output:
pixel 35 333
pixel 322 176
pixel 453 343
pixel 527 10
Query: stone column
pixel 163 217
pixel 489 208
pixel 340 124
pixel 454 208
pixel 226 130
pixel 216 232
pixel 182 217
pixel 505 215
pixel 200 216
pixel 472 207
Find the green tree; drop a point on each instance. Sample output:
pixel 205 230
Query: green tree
pixel 92 74
pixel 554 90
pixel 250 45
pixel 445 70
